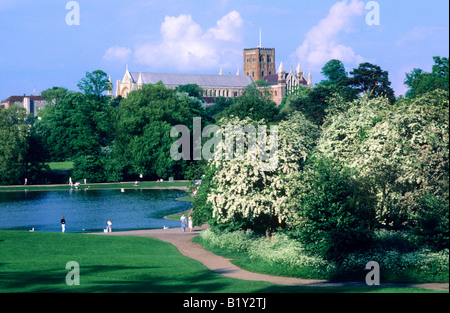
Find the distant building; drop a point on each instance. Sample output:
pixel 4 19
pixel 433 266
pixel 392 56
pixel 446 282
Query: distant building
pixel 212 85
pixel 259 64
pixel 32 104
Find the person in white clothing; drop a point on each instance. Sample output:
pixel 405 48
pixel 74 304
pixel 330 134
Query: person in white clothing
pixel 63 224
pixel 109 226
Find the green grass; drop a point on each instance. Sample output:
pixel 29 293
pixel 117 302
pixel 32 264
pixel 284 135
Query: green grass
pixel 36 262
pixel 61 165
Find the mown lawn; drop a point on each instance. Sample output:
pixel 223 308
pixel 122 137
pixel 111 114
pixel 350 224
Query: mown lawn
pixel 36 262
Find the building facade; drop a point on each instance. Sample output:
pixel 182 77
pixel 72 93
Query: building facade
pixel 32 104
pixel 213 86
pixel 259 64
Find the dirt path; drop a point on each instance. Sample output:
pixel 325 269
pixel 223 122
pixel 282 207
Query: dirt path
pixel 183 242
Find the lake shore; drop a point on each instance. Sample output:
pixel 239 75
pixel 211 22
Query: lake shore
pixel 178 184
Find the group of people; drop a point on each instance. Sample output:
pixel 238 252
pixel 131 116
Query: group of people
pixel 183 222
pixel 63 225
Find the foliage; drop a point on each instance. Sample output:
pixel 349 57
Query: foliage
pixel 54 95
pixel 334 70
pixel 142 131
pixel 370 80
pixel 285 256
pixel 335 211
pixel 251 106
pixel 420 82
pixel 430 222
pixel 13 145
pixel 314 102
pixel 76 125
pixel 193 90
pixel 221 104
pixel 95 84
pixel 400 150
pixel 248 192
pixel 89 167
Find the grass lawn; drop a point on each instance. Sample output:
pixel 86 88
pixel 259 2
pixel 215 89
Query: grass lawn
pixel 36 262
pixel 61 165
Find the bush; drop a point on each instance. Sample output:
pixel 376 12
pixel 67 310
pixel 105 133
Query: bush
pixel 237 241
pixel 337 213
pixel 416 266
pixel 430 224
pixel 285 256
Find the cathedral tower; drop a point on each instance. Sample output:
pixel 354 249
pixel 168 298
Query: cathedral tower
pixel 259 62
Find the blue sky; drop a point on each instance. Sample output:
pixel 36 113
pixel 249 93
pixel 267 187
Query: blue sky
pixel 39 50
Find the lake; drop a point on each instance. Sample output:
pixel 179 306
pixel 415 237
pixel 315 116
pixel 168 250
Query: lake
pixel 89 210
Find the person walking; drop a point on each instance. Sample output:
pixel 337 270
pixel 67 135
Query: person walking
pixel 183 222
pixel 109 226
pixel 63 224
pixel 190 222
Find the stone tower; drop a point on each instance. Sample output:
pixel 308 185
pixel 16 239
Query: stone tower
pixel 259 62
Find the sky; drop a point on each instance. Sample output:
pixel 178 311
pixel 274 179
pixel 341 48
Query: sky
pixel 49 43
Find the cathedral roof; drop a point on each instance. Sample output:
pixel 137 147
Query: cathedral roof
pixel 199 79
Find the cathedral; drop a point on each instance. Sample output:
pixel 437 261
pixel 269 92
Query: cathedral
pixel 259 64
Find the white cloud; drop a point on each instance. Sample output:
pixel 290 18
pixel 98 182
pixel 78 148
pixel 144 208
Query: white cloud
pixel 227 28
pixel 186 46
pixel 117 53
pixel 320 44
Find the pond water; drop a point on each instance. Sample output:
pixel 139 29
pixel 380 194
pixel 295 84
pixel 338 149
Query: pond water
pixel 89 210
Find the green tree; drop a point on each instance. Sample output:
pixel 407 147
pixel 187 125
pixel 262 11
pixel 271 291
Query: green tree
pixel 336 213
pixel 95 84
pixel 13 145
pixel 193 90
pixel 54 95
pixel 334 70
pixel 314 102
pixel 252 106
pixel 369 79
pixel 142 135
pixel 420 82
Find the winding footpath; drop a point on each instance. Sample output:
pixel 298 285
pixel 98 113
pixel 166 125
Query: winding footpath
pixel 183 242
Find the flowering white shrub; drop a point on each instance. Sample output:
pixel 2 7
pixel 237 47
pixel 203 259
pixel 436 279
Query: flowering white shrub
pixel 400 149
pixel 242 190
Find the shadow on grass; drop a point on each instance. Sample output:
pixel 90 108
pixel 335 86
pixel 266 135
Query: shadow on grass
pixel 110 279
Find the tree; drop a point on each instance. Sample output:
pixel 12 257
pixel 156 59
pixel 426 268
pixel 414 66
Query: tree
pixel 371 80
pixel 95 84
pixel 246 194
pixel 334 70
pixel 193 90
pixel 252 106
pixel 401 150
pixel 54 95
pixel 13 145
pixel 143 125
pixel 420 82
pixel 314 102
pixel 336 213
